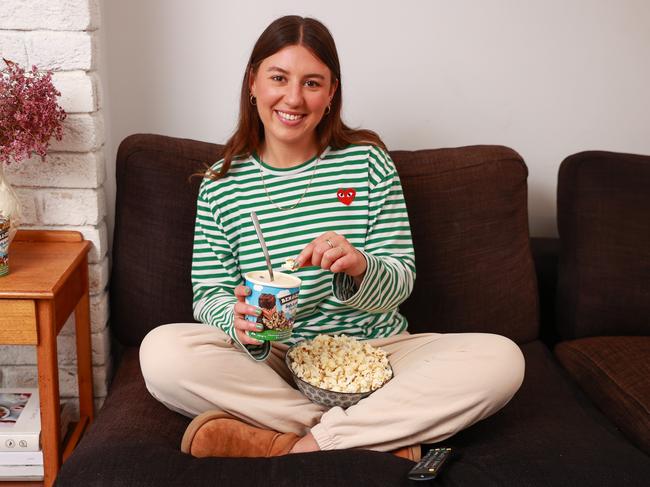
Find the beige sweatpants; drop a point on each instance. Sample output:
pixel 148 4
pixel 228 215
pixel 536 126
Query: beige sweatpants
pixel 442 384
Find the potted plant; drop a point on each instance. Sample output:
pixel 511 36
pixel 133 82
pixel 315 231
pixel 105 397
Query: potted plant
pixel 29 117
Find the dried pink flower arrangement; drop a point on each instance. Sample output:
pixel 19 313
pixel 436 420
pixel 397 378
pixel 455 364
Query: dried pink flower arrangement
pixel 29 113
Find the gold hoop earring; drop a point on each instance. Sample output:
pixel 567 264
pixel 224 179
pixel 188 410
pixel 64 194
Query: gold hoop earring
pixel 252 99
pixel 328 109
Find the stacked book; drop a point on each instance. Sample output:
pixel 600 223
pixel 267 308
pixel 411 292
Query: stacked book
pixel 21 457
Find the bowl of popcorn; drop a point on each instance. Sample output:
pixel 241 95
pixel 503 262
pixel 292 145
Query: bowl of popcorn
pixel 337 370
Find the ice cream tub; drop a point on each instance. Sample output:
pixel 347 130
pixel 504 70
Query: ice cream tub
pixel 278 300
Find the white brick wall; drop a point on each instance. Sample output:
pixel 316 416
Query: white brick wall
pixel 66 190
pixel 70 15
pixel 64 170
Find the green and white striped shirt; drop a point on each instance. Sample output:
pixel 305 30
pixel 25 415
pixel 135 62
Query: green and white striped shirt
pixel 354 192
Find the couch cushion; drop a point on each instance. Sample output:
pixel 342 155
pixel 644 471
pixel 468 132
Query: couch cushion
pixel 135 442
pixel 468 212
pixel 603 210
pixel 467 208
pixel 549 434
pixel 615 374
pixel 154 226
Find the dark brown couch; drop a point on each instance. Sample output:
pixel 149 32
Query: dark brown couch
pixel 468 211
pixel 604 284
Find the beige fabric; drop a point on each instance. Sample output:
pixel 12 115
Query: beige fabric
pixel 443 383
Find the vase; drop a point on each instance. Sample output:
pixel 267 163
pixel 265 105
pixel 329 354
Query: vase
pixel 9 219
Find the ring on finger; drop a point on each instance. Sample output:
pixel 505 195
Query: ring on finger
pixel 329 242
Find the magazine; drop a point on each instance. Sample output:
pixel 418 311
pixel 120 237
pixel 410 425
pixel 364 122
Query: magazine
pixel 20 420
pixel 21 472
pixel 14 458
pixel 28 465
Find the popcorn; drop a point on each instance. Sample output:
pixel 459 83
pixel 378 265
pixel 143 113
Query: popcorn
pixel 290 264
pixel 340 364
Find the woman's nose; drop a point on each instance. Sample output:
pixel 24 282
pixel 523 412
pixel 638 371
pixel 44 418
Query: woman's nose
pixel 293 95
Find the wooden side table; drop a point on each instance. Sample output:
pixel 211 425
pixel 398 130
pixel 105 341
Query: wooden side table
pixel 48 280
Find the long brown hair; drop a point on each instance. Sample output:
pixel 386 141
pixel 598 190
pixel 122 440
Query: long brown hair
pixel 292 30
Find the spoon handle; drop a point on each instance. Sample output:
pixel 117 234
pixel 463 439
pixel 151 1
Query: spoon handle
pixel 260 236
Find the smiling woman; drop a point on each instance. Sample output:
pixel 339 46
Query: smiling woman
pixel 292 89
pixel 328 197
pixel 293 75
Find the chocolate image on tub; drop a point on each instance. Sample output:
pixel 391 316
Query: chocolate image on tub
pixel 266 301
pixel 271 318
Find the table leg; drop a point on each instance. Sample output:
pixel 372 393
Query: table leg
pixel 84 350
pixel 48 385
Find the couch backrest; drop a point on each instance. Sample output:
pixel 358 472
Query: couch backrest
pixel 603 213
pixel 154 227
pixel 468 213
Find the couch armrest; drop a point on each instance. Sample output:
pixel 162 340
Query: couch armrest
pixel 603 210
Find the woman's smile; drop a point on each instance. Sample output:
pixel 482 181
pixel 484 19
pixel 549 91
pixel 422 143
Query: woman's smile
pixel 289 118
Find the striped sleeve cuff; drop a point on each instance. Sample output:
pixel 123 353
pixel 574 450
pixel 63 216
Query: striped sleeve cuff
pixel 259 353
pixel 364 297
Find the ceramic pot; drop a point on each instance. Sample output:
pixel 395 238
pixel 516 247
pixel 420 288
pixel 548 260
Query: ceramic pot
pixel 9 219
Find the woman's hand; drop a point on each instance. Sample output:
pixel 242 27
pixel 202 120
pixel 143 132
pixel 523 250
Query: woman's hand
pixel 333 251
pixel 242 325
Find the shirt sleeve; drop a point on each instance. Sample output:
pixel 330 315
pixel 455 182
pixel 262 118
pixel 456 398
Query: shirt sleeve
pixel 216 273
pixel 389 253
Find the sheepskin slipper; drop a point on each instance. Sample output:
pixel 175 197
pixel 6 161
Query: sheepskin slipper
pixel 218 434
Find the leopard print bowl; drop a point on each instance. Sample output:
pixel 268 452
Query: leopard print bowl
pixel 324 397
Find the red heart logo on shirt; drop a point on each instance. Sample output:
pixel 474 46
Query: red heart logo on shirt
pixel 346 196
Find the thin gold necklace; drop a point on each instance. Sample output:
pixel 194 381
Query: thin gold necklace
pixel 283 208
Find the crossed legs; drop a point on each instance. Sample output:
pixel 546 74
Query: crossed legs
pixel 443 383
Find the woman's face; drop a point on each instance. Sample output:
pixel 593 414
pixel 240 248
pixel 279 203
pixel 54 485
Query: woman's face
pixel 293 88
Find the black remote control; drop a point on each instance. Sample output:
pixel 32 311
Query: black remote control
pixel 430 464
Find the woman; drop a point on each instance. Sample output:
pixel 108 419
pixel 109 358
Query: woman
pixel 331 196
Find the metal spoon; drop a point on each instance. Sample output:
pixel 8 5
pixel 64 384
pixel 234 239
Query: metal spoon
pixel 260 236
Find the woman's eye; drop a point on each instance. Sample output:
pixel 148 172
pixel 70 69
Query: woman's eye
pixel 277 77
pixel 312 84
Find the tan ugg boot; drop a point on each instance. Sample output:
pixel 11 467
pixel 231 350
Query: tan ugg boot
pixel 218 434
pixel 413 453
